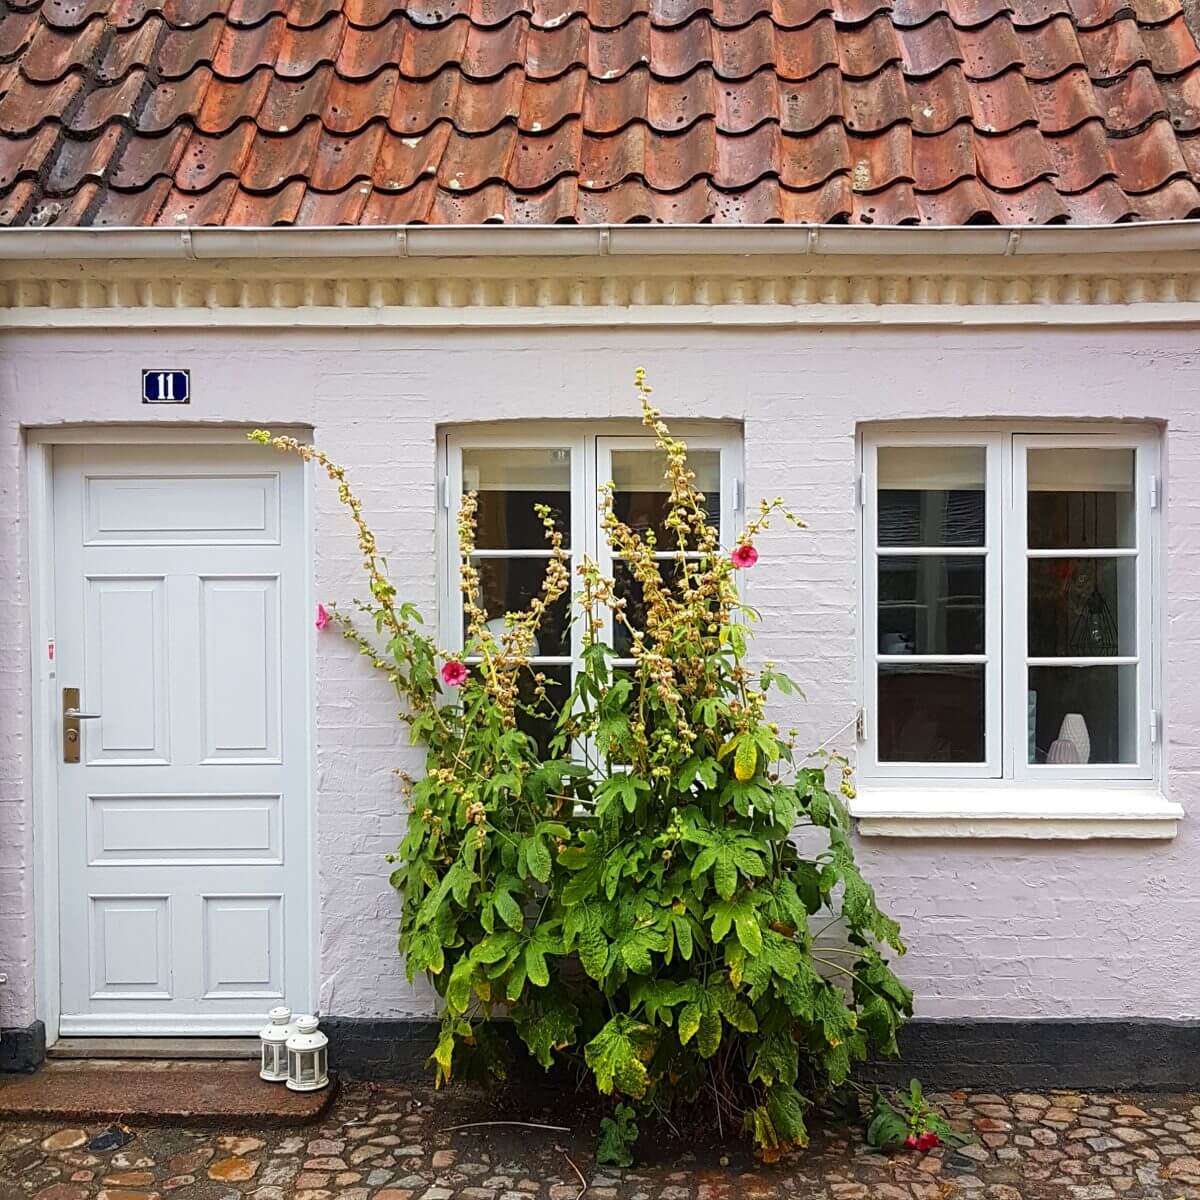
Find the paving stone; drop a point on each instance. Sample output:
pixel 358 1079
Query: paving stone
pixel 64 1139
pixel 232 1170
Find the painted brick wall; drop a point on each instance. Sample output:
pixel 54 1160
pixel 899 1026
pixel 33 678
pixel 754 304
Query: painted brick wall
pixel 996 928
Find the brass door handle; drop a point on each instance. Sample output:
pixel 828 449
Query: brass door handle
pixel 71 716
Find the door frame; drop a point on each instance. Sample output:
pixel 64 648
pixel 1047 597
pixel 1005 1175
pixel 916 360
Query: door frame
pixel 40 442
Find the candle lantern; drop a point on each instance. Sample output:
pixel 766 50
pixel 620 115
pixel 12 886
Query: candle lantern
pixel 272 1039
pixel 307 1057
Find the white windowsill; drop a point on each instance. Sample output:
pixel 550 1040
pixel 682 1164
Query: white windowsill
pixel 1003 811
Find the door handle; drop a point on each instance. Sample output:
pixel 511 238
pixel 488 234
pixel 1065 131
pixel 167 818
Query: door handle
pixel 72 715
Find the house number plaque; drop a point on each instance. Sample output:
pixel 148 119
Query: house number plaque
pixel 166 387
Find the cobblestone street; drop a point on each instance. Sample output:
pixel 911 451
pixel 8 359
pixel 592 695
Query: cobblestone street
pixel 395 1143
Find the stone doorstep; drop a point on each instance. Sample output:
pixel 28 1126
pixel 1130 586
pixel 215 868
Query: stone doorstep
pixel 197 1094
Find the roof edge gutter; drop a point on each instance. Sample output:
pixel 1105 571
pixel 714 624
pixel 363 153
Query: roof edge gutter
pixel 569 241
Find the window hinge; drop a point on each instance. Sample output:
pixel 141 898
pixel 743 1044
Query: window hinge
pixel 860 725
pixel 860 491
pixel 1155 726
pixel 446 492
pixel 1153 491
pixel 737 495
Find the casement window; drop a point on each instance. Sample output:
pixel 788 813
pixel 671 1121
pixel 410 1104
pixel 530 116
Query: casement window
pixel 514 467
pixel 1009 626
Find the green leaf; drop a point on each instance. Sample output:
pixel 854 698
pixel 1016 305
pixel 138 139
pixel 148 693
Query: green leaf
pixel 508 910
pixel 535 965
pixel 708 1039
pixel 614 1055
pixel 618 1133
pixel 786 1110
pixel 547 1027
pixel 458 988
pixel 535 858
pixel 689 1022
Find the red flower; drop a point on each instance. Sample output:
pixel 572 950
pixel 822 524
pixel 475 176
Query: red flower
pixel 454 674
pixel 910 1142
pixel 323 618
pixel 744 555
pixel 928 1140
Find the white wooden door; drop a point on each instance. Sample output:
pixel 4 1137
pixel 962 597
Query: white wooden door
pixel 184 831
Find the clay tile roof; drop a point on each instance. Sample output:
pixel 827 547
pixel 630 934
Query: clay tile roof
pixel 327 112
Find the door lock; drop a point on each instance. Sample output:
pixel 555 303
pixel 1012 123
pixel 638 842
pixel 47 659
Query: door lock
pixel 71 717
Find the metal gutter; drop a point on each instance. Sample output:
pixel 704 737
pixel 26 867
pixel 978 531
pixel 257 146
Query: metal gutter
pixel 464 241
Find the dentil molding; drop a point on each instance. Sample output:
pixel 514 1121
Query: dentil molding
pixel 784 290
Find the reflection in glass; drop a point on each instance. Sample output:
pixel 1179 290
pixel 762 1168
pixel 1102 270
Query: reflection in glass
pixel 508 585
pixel 931 495
pixel 931 712
pixel 541 723
pixel 1081 499
pixel 510 481
pixel 931 604
pixel 1082 607
pixel 1083 714
pixel 641 498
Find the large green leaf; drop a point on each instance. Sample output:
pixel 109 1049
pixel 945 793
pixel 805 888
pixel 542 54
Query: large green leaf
pixel 615 1056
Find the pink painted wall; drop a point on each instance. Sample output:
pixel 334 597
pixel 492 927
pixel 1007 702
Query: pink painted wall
pixel 996 928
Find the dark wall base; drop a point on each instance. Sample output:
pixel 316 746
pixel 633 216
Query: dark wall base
pixel 1095 1055
pixel 1135 1055
pixel 24 1048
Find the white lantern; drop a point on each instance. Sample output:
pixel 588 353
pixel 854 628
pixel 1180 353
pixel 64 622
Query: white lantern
pixel 307 1057
pixel 272 1040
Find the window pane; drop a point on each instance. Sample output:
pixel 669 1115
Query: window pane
pixel 1081 499
pixel 641 494
pixel 931 495
pixel 931 713
pixel 539 718
pixel 1082 607
pixel 931 604
pixel 508 585
pixel 510 481
pixel 628 589
pixel 1083 714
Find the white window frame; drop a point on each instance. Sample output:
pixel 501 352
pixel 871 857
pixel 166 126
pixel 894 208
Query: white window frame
pixel 1006 796
pixel 990 658
pixel 591 444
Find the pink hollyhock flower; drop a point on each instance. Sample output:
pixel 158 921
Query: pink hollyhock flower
pixel 323 617
pixel 744 555
pixel 454 674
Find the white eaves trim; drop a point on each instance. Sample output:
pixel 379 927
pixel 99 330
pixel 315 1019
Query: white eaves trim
pixel 1006 812
pixel 449 241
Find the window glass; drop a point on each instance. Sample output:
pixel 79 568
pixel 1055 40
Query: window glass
pixel 510 481
pixel 1081 499
pixel 931 604
pixel 1081 715
pixel 1082 607
pixel 507 585
pixel 641 495
pixel 931 495
pixel 931 712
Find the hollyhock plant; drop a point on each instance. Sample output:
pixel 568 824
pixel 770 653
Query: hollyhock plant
pixel 323 618
pixel 454 673
pixel 744 555
pixel 606 860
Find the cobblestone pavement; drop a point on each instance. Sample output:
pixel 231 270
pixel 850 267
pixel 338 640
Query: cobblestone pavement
pixel 394 1143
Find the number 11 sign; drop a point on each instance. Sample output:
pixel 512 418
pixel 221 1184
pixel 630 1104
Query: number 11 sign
pixel 166 387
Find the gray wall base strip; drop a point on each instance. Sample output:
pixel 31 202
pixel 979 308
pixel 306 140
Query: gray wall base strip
pixel 983 1055
pixel 24 1048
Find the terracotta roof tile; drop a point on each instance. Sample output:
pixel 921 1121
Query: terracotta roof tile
pixel 542 111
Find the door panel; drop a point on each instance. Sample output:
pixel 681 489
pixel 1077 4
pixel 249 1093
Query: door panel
pixel 184 830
